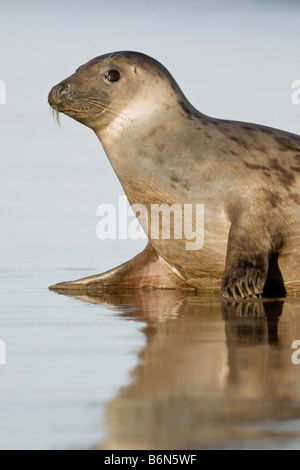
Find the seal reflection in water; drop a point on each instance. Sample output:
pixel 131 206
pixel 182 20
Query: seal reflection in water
pixel 211 374
pixel 164 151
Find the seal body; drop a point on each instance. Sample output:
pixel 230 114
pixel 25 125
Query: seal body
pixel 164 151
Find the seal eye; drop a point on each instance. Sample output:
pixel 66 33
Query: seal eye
pixel 113 76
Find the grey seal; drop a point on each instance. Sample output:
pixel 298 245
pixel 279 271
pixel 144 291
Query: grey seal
pixel 164 151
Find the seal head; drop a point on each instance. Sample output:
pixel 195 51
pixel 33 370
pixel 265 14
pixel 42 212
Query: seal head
pixel 95 95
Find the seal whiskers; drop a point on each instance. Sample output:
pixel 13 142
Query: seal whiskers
pixel 100 106
pixel 56 116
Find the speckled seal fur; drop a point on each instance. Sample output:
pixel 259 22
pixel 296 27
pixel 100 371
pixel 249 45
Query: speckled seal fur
pixel 165 151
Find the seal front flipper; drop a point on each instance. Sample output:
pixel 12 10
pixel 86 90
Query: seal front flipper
pixel 247 262
pixel 245 277
pixel 146 271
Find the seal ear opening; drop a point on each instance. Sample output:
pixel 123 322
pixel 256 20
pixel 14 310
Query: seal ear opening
pixel 274 286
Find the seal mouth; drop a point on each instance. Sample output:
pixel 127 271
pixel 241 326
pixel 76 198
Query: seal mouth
pixel 58 107
pixel 89 106
pixel 57 97
pixel 62 101
pixel 83 108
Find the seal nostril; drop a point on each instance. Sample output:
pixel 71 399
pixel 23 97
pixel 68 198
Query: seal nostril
pixel 63 90
pixel 59 94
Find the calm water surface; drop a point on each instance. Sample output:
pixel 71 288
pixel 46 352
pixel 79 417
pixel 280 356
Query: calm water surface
pixel 156 370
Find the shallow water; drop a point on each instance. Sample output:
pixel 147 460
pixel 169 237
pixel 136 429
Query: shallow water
pixel 158 370
pixel 65 359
